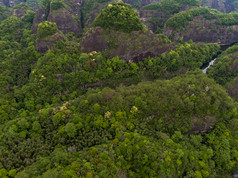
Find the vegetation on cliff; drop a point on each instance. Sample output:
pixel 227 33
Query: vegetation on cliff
pixel 170 6
pixel 224 71
pixel 4 12
pixel 182 19
pixel 65 113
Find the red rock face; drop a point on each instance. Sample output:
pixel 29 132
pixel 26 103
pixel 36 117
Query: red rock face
pixel 133 47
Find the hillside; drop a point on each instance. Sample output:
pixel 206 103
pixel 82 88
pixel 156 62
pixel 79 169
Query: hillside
pixel 203 25
pixel 100 88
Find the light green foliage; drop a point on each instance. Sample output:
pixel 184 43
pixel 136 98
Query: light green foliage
pixel 46 28
pixel 12 172
pixel 70 129
pixel 119 17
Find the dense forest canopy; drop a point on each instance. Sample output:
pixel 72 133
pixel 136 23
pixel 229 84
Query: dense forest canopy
pixel 119 16
pixel 65 112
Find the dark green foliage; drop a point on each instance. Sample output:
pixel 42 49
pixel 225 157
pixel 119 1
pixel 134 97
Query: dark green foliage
pixel 56 4
pixel 29 16
pixel 165 6
pixel 4 12
pixel 21 6
pixel 182 19
pixel 89 8
pixel 119 17
pixel 224 70
pixel 46 28
pixel 170 6
pixel 45 3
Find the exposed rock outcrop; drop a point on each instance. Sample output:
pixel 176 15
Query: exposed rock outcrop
pixel 68 18
pixel 65 21
pixel 202 124
pixel 202 30
pixel 132 47
pixel 48 42
pixel 39 17
pixel 19 12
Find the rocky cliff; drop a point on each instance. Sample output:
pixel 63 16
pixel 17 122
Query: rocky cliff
pixel 65 20
pixel 132 47
pixel 47 43
pixel 66 15
pixel 203 30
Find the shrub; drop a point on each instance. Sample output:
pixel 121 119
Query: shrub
pixel 46 28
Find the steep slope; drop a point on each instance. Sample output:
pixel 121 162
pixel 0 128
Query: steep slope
pixel 33 4
pixel 203 25
pixel 4 12
pixel 65 14
pixel 156 14
pixel 47 36
pixel 122 102
pixel 122 34
pixel 225 70
pixel 155 113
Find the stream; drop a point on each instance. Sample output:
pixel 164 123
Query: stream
pixel 210 64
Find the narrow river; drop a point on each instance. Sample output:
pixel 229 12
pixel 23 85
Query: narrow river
pixel 207 66
pixel 210 64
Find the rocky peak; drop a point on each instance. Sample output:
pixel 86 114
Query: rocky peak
pixel 66 15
